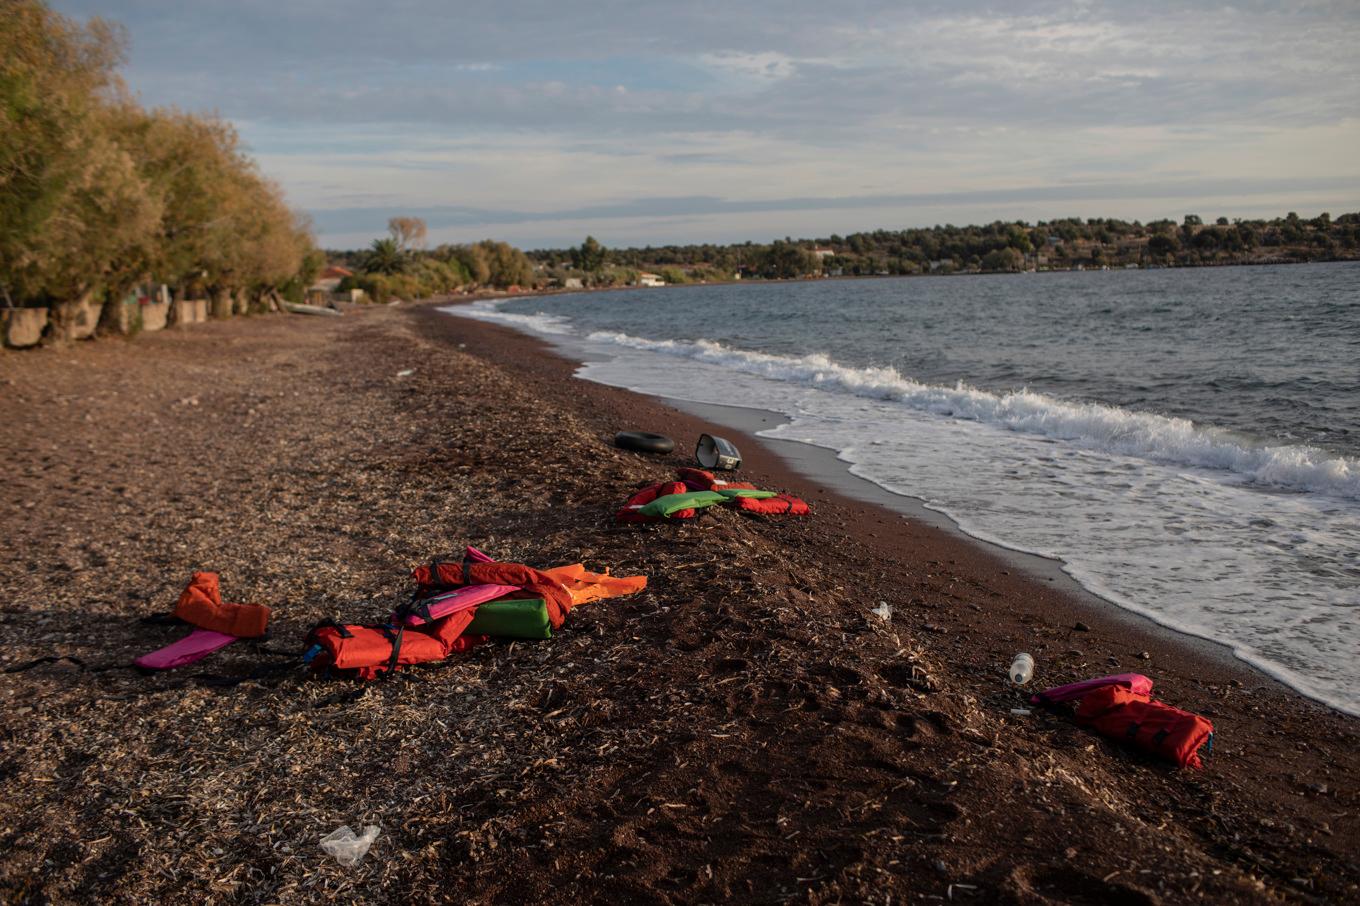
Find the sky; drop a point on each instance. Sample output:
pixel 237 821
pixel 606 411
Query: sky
pixel 644 122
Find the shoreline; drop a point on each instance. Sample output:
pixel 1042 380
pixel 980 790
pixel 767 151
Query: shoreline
pixel 822 466
pixel 745 729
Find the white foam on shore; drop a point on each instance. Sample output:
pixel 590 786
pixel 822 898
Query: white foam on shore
pixel 489 310
pixel 1092 425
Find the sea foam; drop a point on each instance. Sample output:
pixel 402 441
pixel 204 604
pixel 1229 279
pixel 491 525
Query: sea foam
pixel 1092 425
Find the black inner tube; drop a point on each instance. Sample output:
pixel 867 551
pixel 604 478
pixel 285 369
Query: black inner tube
pixel 644 442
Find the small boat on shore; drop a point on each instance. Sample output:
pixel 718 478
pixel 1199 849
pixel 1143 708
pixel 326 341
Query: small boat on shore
pixel 298 308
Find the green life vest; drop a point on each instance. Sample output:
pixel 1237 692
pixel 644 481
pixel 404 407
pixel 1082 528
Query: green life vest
pixel 696 500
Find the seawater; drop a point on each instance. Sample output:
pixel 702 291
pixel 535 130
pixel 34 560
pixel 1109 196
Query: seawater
pixel 1186 442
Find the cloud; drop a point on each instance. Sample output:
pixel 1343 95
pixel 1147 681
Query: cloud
pixel 533 101
pixel 764 68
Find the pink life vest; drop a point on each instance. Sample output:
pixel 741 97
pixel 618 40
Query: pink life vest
pixel 193 647
pixel 1134 682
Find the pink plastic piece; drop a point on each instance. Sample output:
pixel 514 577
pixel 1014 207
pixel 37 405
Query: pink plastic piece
pixel 465 598
pixel 1135 681
pixel 193 647
pixel 476 556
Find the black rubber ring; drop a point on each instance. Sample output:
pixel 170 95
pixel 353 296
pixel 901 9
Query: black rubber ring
pixel 644 442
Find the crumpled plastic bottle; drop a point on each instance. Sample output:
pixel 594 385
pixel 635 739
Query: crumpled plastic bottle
pixel 1022 668
pixel 346 847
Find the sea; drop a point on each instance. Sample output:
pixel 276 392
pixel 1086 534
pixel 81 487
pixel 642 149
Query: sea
pixel 1186 442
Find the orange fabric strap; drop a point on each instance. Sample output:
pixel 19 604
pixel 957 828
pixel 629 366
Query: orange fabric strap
pixel 586 586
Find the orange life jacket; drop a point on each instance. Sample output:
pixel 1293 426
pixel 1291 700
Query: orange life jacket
pixel 442 576
pixel 778 505
pixel 585 586
pixel 201 604
pixel 1155 727
pixel 370 651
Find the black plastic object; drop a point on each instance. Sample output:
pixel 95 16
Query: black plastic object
pixel 717 453
pixel 644 442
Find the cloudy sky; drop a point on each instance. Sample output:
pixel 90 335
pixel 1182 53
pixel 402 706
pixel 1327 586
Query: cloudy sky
pixel 641 122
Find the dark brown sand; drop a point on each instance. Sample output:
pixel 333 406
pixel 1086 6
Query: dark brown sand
pixel 744 730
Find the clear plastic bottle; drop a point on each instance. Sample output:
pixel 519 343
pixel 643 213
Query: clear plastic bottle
pixel 1022 668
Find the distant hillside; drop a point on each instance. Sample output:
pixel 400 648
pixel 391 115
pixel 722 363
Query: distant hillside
pixel 1054 245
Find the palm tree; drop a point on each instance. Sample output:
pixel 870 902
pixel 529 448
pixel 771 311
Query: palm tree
pixel 385 257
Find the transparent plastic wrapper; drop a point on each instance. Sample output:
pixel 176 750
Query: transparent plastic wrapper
pixel 346 847
pixel 883 611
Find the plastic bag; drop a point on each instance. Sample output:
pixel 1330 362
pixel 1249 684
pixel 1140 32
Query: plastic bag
pixel 346 847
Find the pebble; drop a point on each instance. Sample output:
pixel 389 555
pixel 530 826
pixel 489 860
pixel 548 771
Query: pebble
pixel 1081 627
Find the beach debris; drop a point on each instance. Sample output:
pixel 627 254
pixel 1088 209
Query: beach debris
pixel 1136 719
pixel 1122 708
pixel 713 452
pixel 217 623
pixel 643 442
pixel 883 611
pixel 1081 627
pixel 1020 712
pixel 406 372
pixel 1135 681
pixel 697 489
pixel 1022 668
pixel 298 308
pixel 347 848
pixel 433 624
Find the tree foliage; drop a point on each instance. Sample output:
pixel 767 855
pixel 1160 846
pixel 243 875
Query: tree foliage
pixel 408 232
pixel 590 257
pixel 98 194
pixel 1001 245
pixel 385 256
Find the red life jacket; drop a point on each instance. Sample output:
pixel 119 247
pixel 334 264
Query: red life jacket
pixel 1152 726
pixel 778 505
pixel 629 511
pixel 442 576
pixel 368 651
pixel 700 480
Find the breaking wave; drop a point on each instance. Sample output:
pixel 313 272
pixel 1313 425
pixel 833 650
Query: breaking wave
pixel 1093 425
pixel 489 310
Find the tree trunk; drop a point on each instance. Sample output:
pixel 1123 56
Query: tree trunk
pixel 74 320
pixel 221 303
pixel 111 315
pixel 172 311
